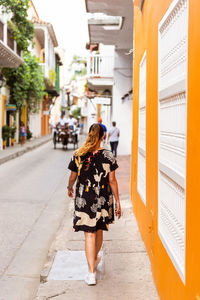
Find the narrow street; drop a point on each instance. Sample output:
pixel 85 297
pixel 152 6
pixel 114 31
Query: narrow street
pixel 124 74
pixel 32 204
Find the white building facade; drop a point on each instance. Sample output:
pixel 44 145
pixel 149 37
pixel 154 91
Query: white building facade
pixel 110 23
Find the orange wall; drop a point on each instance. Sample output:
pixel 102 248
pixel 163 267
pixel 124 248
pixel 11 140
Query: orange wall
pixel 168 282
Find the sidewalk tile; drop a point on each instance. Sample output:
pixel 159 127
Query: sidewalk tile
pixel 71 265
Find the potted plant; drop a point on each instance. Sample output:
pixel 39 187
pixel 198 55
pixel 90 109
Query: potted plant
pixel 5 134
pixel 12 134
pixel 29 134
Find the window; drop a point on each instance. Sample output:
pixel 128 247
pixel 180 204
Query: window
pixel 172 131
pixel 141 180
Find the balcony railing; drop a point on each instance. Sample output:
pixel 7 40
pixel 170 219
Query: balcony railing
pixel 100 66
pixel 10 54
pixel 45 70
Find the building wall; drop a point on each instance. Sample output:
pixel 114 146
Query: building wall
pixel 122 110
pixel 24 115
pixel 51 62
pixel 35 124
pixel 35 119
pixel 45 117
pixel 170 284
pixel 92 114
pixel 37 49
pixel 55 112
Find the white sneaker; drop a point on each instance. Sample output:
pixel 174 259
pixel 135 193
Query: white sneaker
pixel 90 278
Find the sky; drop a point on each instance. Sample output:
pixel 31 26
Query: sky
pixel 68 18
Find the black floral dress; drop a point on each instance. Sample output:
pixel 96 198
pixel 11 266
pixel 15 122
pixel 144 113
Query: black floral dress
pixel 94 208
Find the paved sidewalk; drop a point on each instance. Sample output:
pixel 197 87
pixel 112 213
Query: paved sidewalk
pixel 125 272
pixel 18 150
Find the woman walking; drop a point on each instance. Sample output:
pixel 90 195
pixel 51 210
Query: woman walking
pixel 22 133
pixel 93 170
pixel 113 136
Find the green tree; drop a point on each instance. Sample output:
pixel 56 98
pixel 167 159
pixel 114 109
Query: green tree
pixel 78 60
pixel 80 64
pixel 76 112
pixel 26 83
pixel 22 29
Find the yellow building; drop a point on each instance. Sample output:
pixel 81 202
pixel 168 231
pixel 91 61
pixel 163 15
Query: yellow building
pixel 45 42
pixel 166 141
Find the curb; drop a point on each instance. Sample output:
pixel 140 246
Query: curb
pixel 23 151
pixel 44 273
pixel 47 267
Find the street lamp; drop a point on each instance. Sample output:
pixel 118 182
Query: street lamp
pixel 1 80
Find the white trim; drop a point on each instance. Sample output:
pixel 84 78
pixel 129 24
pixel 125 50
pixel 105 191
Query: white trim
pixel 143 58
pixel 142 151
pixel 15 46
pixel 175 87
pixel 184 280
pixel 46 51
pixel 172 256
pixel 169 11
pixel 178 178
pixel 5 33
pixel 141 182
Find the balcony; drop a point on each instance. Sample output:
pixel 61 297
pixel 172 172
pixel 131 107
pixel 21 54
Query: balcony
pixel 45 35
pixel 10 56
pixel 49 74
pixel 111 22
pixel 100 66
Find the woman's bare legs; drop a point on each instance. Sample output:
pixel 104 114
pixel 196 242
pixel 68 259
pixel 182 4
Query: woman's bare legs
pixel 93 244
pixel 22 140
pixel 90 250
pixel 99 241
